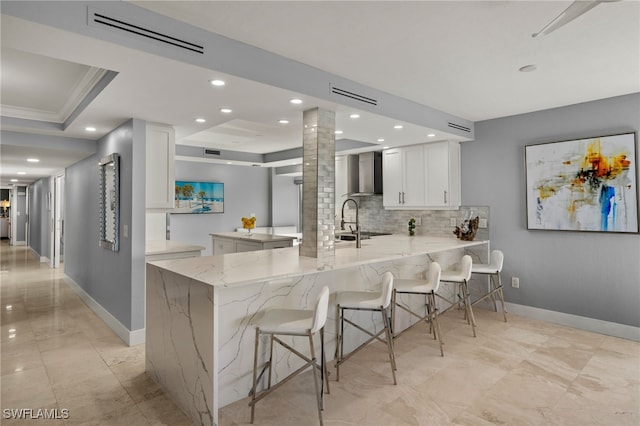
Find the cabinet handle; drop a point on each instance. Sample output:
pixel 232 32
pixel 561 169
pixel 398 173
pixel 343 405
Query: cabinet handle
pixel 403 198
pixel 445 197
pixel 399 197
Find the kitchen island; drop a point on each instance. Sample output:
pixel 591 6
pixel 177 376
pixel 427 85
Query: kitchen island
pixel 199 334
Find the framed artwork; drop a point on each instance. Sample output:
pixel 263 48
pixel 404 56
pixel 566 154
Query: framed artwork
pixel 199 197
pixel 583 184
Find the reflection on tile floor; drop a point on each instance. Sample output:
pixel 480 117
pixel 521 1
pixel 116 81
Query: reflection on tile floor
pixel 57 354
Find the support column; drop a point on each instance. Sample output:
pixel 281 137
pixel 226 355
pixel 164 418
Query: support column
pixel 318 181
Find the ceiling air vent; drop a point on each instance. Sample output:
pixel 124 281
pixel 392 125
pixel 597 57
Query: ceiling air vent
pixel 211 152
pixel 101 19
pixel 361 98
pixel 459 127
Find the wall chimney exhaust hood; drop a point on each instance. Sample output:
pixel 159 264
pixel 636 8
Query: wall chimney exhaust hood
pixel 364 174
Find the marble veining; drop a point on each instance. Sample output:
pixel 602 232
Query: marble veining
pixel 201 311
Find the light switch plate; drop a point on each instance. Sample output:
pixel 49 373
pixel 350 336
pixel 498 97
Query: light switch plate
pixel 452 221
pixel 483 223
pixel 125 231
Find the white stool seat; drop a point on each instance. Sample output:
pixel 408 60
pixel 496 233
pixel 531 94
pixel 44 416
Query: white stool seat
pixel 365 301
pixel 493 269
pixel 359 300
pixel 428 288
pixel 286 321
pixel 292 322
pixel 403 285
pixel 462 277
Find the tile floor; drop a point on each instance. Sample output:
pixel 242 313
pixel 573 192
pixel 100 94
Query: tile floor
pixel 57 354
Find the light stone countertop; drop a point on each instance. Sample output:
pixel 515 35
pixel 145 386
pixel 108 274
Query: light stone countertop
pixel 272 265
pixel 157 247
pixel 263 238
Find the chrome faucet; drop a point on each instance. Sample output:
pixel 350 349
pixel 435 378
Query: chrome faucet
pixel 357 222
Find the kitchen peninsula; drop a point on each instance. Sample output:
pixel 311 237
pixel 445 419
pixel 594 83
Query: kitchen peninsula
pixel 199 334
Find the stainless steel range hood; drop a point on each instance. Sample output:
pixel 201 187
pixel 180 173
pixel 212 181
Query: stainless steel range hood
pixel 365 174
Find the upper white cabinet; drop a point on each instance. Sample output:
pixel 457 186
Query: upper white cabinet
pixel 422 176
pixel 160 186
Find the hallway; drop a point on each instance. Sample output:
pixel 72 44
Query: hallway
pixel 57 354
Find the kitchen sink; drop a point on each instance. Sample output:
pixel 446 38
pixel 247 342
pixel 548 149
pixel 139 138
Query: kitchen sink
pixel 364 235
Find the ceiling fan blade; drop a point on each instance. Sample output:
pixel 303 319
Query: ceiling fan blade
pixel 574 10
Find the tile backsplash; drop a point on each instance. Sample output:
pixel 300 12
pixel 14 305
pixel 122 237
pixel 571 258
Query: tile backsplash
pixel 374 217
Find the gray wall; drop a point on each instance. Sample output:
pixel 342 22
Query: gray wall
pixel 246 191
pixel 594 275
pixel 284 200
pixel 114 279
pixel 39 217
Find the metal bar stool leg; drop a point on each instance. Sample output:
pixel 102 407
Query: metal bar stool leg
pixel 316 385
pixel 255 375
pixel 468 307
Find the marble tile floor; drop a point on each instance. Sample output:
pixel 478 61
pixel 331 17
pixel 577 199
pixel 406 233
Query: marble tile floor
pixel 57 354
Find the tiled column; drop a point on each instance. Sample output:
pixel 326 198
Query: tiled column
pixel 318 183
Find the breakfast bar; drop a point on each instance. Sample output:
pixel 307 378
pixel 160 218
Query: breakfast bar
pixel 200 311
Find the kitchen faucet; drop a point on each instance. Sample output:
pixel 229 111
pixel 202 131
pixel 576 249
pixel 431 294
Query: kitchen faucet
pixel 357 222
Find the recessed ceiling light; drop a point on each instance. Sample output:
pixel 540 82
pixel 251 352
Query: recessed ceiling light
pixel 296 101
pixel 381 140
pixel 398 126
pixel 228 162
pixel 338 132
pixel 283 121
pixel 21 173
pixel 354 116
pixel 90 129
pixel 226 110
pixel 200 120
pixel 528 68
pixel 33 160
pixel 217 83
pixel 430 135
pixel 14 180
pixel 385 147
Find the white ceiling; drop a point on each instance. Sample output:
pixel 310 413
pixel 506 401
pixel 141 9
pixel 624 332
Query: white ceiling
pixel 458 57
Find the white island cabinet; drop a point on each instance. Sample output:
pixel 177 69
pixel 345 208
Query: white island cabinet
pixel 200 311
pixel 423 176
pixel 238 242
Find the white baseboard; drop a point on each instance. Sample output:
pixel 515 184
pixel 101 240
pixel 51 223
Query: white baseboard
pixel 590 324
pixel 131 338
pixel 44 259
pixel 18 243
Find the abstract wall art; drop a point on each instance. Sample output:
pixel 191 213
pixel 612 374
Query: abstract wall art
pixel 586 184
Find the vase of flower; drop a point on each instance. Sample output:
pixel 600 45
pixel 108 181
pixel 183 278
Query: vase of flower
pixel 249 223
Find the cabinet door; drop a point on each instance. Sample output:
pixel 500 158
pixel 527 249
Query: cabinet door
pixel 392 177
pixel 160 155
pixel 413 182
pixel 223 245
pixel 243 246
pixel 442 174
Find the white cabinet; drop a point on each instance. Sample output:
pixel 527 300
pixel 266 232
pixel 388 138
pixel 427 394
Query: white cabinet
pixel 422 176
pixel 160 154
pixel 403 177
pixel 442 174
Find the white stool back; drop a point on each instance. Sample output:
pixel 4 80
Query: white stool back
pixel 320 312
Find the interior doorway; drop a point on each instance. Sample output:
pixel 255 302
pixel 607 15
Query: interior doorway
pixel 57 220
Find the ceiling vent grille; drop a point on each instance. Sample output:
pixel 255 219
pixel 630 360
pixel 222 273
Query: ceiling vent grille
pixel 459 127
pixel 98 18
pixel 211 152
pixel 353 95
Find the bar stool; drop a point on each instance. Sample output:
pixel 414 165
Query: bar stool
pixel 366 301
pixel 293 322
pixel 493 269
pixel 462 277
pixel 428 288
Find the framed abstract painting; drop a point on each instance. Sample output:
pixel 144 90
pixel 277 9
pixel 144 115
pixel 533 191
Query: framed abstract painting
pixel 586 184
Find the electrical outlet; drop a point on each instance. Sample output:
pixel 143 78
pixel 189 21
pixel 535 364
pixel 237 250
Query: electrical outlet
pixel 515 282
pixel 483 223
pixel 418 221
pixel 452 221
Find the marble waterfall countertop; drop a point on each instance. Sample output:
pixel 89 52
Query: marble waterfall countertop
pixel 237 269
